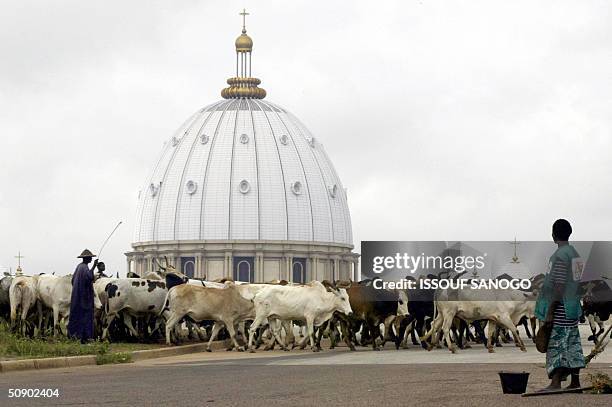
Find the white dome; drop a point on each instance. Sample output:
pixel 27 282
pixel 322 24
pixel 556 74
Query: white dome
pixel 243 169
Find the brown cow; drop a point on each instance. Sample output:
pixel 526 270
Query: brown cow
pixel 226 306
pixel 373 306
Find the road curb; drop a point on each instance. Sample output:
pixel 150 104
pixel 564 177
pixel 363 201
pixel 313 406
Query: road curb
pixel 138 355
pixel 86 360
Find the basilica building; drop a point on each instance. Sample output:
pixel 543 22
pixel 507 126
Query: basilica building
pixel 243 190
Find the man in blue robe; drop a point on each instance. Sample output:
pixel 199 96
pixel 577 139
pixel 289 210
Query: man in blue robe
pixel 81 323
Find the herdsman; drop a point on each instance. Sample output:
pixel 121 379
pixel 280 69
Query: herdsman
pixel 81 324
pixel 559 303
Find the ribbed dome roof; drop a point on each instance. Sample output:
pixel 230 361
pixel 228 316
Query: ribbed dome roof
pixel 243 169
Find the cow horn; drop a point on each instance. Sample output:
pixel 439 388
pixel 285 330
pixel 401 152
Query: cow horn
pixel 159 265
pixel 328 286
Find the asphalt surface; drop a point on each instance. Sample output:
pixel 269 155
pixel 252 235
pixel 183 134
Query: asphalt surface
pixel 337 377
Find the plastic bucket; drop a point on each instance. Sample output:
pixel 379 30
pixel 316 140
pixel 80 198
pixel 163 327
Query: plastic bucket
pixel 514 382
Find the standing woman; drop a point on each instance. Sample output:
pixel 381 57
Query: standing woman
pixel 81 322
pixel 559 303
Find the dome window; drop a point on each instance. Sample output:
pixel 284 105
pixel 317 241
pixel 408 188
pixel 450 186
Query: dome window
pixel 175 141
pixel 244 139
pixel 203 138
pixel 153 189
pixel 296 188
pixel 244 186
pixel 333 191
pixel 312 141
pixel 191 186
pixel 284 139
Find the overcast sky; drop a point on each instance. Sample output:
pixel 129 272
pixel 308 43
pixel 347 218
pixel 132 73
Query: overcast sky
pixel 446 120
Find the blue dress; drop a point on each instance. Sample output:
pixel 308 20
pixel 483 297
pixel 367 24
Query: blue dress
pixel 81 323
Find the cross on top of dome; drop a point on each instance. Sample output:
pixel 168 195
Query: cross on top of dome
pixel 243 85
pixel 244 14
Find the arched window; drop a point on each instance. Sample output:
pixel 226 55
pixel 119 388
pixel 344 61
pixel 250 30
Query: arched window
pixel 299 271
pixel 244 269
pixel 189 269
pixel 188 266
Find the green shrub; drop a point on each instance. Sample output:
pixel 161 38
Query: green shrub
pixel 118 357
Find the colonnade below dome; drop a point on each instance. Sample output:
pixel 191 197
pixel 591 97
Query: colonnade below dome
pixel 248 260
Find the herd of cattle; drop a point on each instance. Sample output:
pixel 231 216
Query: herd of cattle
pixel 278 312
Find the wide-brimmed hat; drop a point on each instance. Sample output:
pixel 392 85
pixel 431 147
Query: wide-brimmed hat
pixel 86 253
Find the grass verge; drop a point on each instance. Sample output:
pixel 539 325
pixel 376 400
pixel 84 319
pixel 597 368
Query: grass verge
pixel 16 346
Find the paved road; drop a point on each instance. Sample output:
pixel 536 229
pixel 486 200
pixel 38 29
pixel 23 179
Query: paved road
pixel 336 377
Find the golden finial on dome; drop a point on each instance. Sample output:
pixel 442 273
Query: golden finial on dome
pixel 244 43
pixel 243 85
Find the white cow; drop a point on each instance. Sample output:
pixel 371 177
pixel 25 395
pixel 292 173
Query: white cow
pixel 22 295
pixel 500 307
pixel 54 292
pixel 312 303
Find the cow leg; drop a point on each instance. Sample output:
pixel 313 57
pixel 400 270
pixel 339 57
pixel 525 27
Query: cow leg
pixel 468 334
pixel 374 328
pixel 107 321
pixel 347 334
pixel 128 323
pixel 56 327
pixel 480 334
pixel 199 332
pixel 253 329
pixel 261 335
pixel 310 331
pixel 407 331
pixel 419 327
pixel 275 327
pixel 217 326
pixel 322 328
pixel 389 333
pixel 271 343
pixel 433 331
pixel 289 335
pixel 491 329
pixel 24 315
pixel 496 337
pixel 172 320
pixel 405 324
pixel 526 326
pixel 459 333
pixel 334 333
pixel 229 325
pixel 507 322
pixel 446 329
